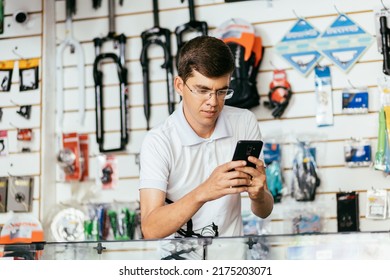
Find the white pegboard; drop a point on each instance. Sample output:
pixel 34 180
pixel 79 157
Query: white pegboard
pixel 31 27
pixel 22 41
pixel 271 22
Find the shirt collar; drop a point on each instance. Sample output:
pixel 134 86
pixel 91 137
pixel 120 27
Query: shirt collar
pixel 187 135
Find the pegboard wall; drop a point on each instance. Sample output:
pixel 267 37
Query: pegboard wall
pixel 272 20
pixel 22 41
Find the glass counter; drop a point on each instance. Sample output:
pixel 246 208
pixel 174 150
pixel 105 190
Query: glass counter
pixel 338 246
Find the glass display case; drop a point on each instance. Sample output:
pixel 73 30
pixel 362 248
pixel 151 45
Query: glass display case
pixel 352 246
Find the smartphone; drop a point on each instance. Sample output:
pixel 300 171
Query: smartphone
pixel 246 148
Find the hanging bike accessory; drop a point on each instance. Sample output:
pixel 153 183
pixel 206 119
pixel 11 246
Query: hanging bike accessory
pixel 305 180
pixel 25 111
pixel 355 100
pixel 386 110
pixel 247 50
pixel 193 25
pixel 6 69
pixel 107 172
pixel 96 4
pixel 67 225
pixel 161 37
pixel 20 194
pixel 382 155
pixel 357 152
pixel 24 138
pixel 383 37
pixel 76 48
pixel 244 77
pixel 69 157
pixel 3 143
pixel 120 62
pixel 380 160
pixel 29 74
pixel 323 91
pixel 73 157
pixel 347 211
pixel 279 94
pixel 376 204
pixel 272 159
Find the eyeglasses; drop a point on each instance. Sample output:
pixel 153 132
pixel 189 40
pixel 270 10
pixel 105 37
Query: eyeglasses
pixel 206 93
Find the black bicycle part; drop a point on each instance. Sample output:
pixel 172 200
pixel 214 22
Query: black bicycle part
pixel 107 175
pixel 385 40
pixel 278 107
pixel 98 78
pixel 161 37
pixel 5 83
pixel 120 62
pixel 192 26
pixel 96 4
pixel 25 111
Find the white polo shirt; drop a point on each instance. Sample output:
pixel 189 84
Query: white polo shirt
pixel 175 160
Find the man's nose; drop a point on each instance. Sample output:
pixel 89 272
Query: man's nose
pixel 213 98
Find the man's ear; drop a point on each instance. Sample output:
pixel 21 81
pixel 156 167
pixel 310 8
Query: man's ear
pixel 179 85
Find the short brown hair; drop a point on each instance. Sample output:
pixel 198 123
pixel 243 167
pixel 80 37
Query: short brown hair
pixel 208 55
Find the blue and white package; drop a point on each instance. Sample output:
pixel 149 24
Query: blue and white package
pixel 324 101
pixel 355 101
pixel 357 153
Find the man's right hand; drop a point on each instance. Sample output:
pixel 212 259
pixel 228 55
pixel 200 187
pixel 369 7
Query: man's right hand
pixel 225 180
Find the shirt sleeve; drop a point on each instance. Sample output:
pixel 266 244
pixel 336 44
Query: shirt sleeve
pixel 253 127
pixel 154 163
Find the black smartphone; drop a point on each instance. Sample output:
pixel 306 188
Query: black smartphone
pixel 246 148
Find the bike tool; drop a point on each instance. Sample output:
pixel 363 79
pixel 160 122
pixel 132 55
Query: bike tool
pixel 75 47
pixel 385 38
pixel 161 37
pixel 120 62
pixel 192 26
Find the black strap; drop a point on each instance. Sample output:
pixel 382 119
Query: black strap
pixel 185 233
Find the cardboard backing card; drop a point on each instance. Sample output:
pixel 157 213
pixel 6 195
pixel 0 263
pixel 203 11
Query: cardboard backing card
pixel 19 197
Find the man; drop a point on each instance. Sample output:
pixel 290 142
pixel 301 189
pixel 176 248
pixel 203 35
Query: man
pixel 188 184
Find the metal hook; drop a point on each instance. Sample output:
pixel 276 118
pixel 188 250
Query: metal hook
pixel 384 6
pixel 318 65
pixel 273 65
pixel 14 126
pixel 295 13
pixel 337 10
pixel 14 51
pixel 351 85
pixel 13 102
